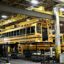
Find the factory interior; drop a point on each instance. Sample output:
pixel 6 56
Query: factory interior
pixel 31 31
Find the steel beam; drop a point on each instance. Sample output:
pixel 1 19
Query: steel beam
pixel 15 10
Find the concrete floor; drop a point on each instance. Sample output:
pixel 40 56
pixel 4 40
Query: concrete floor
pixel 20 61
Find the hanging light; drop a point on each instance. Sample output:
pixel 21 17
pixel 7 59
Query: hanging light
pixel 34 2
pixel 59 1
pixel 4 16
pixel 61 9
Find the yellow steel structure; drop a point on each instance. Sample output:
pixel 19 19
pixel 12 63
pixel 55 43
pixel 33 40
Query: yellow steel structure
pixel 42 10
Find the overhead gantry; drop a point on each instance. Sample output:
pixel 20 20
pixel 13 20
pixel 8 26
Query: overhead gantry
pixel 15 10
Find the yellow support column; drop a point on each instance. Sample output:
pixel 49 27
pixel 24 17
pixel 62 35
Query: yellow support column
pixel 57 52
pixel 57 34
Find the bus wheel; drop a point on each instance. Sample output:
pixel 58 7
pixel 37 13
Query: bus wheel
pixel 27 53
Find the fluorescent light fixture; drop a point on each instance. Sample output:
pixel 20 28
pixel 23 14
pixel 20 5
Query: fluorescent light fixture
pixel 61 9
pixel 34 2
pixel 4 16
pixel 59 1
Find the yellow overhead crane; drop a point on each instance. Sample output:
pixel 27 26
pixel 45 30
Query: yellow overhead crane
pixel 42 10
pixel 14 18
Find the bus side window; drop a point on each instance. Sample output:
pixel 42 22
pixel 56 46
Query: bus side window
pixel 45 34
pixel 7 34
pixel 53 39
pixel 38 28
pixel 10 33
pixel 18 32
pixel 23 31
pixel 14 33
pixel 32 29
pixel 28 30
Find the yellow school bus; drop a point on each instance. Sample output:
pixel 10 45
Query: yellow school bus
pixel 28 33
pixel 24 35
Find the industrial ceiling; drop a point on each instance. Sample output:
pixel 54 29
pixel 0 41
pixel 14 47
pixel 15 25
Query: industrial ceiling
pixel 26 3
pixel 23 4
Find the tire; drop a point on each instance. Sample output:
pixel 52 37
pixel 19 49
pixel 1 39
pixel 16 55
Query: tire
pixel 27 53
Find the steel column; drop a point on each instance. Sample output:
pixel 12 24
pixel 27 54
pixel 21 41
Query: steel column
pixel 57 33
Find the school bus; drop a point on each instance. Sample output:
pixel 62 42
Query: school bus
pixel 24 35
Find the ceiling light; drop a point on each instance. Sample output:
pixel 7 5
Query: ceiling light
pixel 61 9
pixel 4 16
pixel 59 1
pixel 34 2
